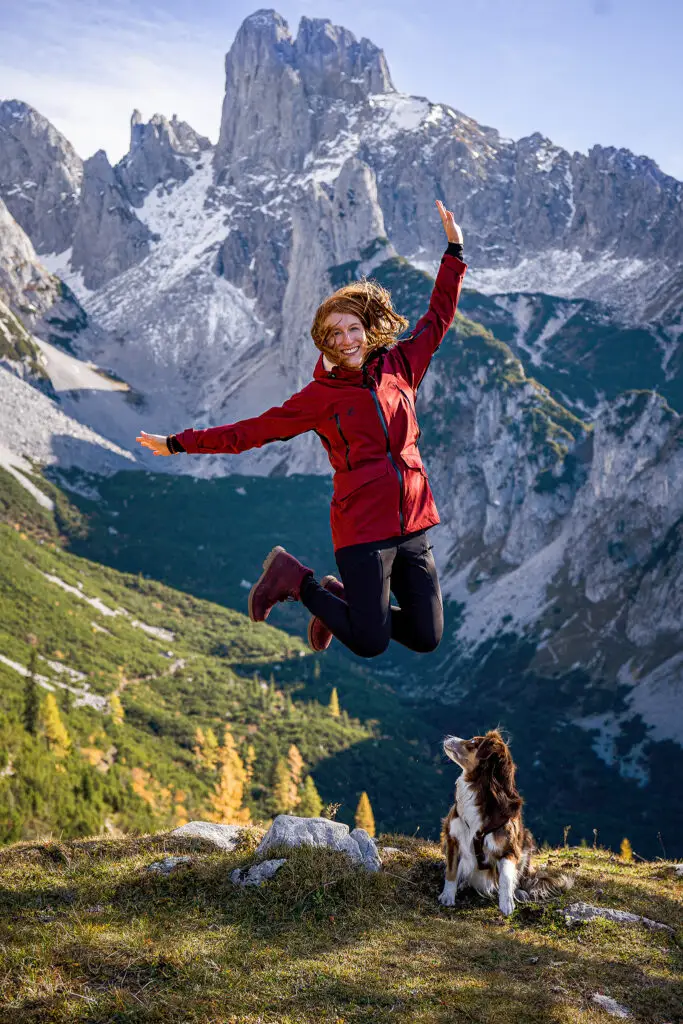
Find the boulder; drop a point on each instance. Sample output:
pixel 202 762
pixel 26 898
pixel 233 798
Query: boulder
pixel 288 830
pixel 226 837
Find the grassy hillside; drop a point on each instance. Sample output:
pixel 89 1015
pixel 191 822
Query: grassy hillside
pixel 133 670
pixel 87 934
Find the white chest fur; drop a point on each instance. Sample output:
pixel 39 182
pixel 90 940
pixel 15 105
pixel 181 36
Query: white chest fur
pixel 465 827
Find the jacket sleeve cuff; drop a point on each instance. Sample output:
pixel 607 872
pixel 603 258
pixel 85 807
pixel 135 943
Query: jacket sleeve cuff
pixel 456 263
pixel 186 441
pixel 455 249
pixel 174 445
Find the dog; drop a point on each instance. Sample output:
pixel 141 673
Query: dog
pixel 483 837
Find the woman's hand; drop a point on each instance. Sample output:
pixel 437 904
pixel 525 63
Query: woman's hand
pixel 155 442
pixel 453 230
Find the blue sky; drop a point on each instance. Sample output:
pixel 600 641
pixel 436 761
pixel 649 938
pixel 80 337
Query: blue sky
pixel 579 71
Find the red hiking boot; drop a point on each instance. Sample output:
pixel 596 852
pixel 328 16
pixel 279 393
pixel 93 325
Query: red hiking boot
pixel 281 579
pixel 319 636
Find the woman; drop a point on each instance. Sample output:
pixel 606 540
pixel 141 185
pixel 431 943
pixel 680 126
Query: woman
pixel 361 404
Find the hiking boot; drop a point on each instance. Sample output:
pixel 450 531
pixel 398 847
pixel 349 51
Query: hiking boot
pixel 280 580
pixel 319 636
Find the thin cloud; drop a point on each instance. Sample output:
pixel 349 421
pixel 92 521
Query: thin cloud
pixel 87 74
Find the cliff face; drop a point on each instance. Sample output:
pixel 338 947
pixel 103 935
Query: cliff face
pixel 40 176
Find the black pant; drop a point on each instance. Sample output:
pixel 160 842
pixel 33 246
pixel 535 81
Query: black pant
pixel 365 621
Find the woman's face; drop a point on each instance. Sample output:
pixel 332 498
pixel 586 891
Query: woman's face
pixel 347 338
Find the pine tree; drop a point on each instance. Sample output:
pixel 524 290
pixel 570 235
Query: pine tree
pixel 53 728
pixel 283 794
pixel 116 709
pixel 229 790
pixel 334 703
pixel 364 816
pixel 310 805
pixel 31 698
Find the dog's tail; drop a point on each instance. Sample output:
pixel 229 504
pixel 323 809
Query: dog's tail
pixel 541 884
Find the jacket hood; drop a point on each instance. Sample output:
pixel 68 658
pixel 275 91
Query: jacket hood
pixel 341 375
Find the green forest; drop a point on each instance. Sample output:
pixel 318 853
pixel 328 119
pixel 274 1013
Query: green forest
pixel 129 706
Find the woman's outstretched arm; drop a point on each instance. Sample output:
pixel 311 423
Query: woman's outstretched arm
pixel 297 415
pixel 421 344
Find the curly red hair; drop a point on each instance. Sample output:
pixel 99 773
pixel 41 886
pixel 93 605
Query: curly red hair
pixel 371 303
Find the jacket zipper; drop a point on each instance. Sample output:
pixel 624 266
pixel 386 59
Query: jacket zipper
pixel 344 441
pixel 391 457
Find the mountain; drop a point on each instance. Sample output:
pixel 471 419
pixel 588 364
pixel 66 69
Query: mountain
pixel 551 415
pixel 40 176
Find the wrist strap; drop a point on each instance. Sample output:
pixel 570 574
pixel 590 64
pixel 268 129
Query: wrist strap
pixel 173 444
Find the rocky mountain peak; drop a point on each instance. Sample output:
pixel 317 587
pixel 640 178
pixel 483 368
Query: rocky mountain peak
pixel 160 151
pixel 108 237
pixel 282 96
pixel 40 176
pixel 176 135
pixel 334 65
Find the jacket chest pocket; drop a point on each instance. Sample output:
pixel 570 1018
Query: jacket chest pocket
pixel 405 432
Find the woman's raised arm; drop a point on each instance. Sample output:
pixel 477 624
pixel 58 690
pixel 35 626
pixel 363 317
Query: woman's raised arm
pixel 421 344
pixel 297 415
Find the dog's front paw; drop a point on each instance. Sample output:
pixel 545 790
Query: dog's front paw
pixel 447 897
pixel 506 904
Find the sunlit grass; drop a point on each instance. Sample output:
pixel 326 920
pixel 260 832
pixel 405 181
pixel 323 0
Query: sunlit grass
pixel 87 934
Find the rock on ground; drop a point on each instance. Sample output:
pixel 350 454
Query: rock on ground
pixel 288 830
pixel 226 837
pixel 257 873
pixel 585 912
pixel 610 1005
pixel 165 866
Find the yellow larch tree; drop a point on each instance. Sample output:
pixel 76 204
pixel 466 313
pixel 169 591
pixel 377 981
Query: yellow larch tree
pixel 116 709
pixel 249 761
pixel 206 748
pixel 228 794
pixel 283 794
pixel 53 727
pixel 334 708
pixel 296 766
pixel 364 816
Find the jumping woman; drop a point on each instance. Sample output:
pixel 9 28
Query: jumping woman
pixel 361 404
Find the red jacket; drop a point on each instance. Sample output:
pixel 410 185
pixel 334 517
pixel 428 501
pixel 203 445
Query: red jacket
pixel 366 421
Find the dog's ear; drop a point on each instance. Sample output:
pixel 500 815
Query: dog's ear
pixel 490 746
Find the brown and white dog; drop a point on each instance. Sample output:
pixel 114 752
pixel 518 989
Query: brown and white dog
pixel 483 838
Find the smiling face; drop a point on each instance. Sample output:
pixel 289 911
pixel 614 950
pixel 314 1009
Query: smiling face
pixel 347 337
